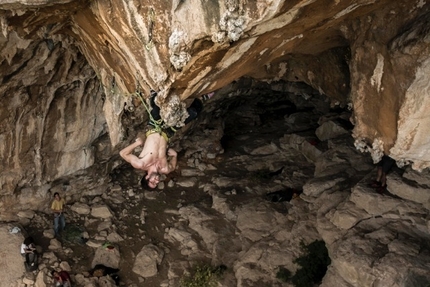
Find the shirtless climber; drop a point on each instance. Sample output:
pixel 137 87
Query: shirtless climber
pixel 156 158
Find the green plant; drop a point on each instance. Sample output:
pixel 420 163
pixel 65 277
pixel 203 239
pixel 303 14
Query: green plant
pixel 283 274
pixel 313 264
pixel 73 233
pixel 203 276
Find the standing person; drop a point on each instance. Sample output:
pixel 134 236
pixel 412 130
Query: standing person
pixel 156 158
pixel 61 279
pixel 384 166
pixel 57 208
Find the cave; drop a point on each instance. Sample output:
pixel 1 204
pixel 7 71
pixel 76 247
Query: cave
pixel 308 97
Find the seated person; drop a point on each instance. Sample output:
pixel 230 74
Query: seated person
pixel 28 250
pixel 28 246
pixel 61 279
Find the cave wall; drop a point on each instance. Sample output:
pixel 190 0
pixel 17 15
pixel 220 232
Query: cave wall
pixel 69 69
pixel 389 90
pixel 310 41
pixel 70 65
pixel 51 112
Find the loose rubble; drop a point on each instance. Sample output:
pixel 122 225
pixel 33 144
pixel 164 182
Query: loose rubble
pixel 213 210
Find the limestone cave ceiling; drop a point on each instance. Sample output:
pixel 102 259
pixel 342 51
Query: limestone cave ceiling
pixel 68 69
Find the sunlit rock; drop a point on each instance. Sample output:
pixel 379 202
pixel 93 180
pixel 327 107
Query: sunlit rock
pixel 147 261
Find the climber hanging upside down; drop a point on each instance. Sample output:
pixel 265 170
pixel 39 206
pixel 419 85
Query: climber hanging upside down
pixel 156 158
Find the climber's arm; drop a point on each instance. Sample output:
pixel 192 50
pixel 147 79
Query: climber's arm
pixel 128 156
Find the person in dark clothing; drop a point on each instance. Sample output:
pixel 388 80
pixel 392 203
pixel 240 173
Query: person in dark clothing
pixel 384 166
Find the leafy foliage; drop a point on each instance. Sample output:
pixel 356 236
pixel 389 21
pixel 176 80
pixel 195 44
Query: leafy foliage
pixel 203 276
pixel 313 264
pixel 73 234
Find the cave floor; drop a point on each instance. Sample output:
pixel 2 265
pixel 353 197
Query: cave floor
pixel 127 214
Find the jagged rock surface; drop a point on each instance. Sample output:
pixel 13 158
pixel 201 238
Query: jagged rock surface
pixel 372 56
pixel 225 219
pixel 68 71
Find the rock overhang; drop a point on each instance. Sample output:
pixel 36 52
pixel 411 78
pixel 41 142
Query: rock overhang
pixel 369 55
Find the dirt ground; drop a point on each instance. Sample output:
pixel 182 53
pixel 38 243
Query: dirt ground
pixel 170 198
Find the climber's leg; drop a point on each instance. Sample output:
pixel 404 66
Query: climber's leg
pixel 155 110
pixel 194 110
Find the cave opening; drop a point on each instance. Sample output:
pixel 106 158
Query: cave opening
pixel 285 124
pixel 272 106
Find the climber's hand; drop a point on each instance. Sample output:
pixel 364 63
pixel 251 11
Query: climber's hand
pixel 139 141
pixel 171 152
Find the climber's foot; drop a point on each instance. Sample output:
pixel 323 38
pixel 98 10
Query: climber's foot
pixel 208 96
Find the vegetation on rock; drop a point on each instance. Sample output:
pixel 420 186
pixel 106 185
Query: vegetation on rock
pixel 203 276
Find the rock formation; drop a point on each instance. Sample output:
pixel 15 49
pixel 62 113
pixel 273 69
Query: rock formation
pixel 70 71
pixel 81 55
pixel 213 210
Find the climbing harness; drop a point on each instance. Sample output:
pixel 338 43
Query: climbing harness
pixel 153 131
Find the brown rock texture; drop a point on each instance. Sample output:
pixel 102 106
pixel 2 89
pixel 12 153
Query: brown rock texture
pixel 69 70
pixel 51 112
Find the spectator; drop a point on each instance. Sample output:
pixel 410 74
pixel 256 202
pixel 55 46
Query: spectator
pixel 57 208
pixel 61 279
pixel 384 166
pixel 28 250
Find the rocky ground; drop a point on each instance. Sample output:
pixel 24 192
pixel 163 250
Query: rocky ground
pixel 213 209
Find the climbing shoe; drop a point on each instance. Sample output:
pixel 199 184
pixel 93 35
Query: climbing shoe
pixel 207 96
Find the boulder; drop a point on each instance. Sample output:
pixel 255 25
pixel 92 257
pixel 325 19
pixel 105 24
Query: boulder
pixel 147 261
